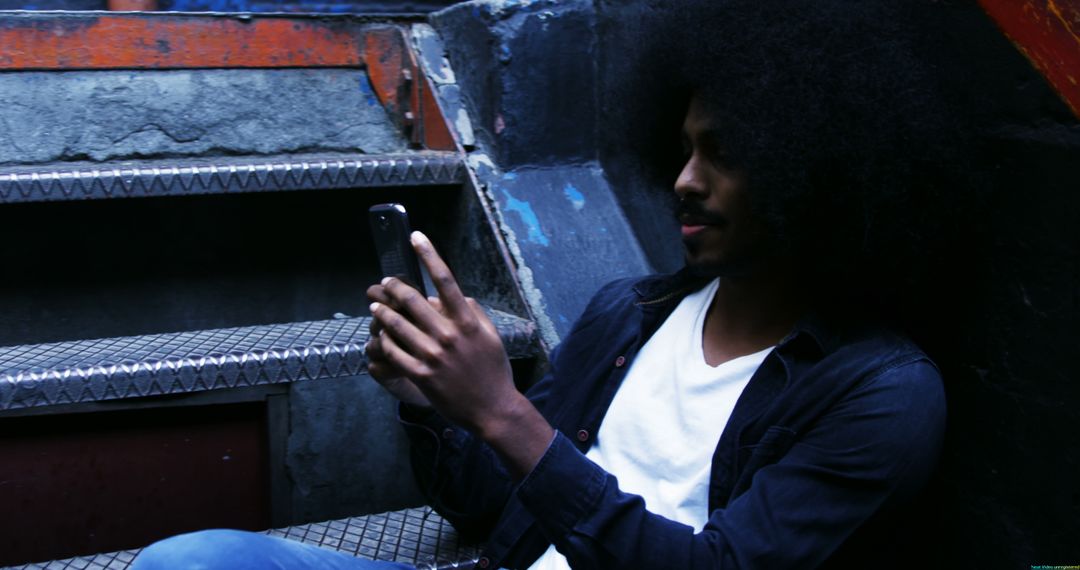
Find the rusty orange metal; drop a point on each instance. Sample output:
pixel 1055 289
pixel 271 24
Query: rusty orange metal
pixel 132 5
pixel 161 41
pixel 403 89
pixel 1048 33
pixel 73 41
pixel 384 56
pixel 436 133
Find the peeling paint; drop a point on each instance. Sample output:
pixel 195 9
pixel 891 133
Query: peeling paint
pixel 428 44
pixel 577 199
pixel 533 296
pixel 464 128
pixel 369 93
pixel 528 217
pixel 480 163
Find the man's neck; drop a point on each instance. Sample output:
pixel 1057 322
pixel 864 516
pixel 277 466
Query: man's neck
pixel 750 313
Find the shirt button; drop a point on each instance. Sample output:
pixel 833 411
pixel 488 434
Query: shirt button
pixel 448 433
pixel 620 361
pixel 582 435
pixel 483 562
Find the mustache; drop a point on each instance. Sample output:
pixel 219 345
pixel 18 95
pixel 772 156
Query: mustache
pixel 695 211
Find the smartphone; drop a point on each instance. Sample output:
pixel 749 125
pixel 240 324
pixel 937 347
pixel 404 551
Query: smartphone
pixel 390 228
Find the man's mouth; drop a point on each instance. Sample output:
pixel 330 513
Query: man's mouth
pixel 691 229
pixel 692 225
pixel 694 219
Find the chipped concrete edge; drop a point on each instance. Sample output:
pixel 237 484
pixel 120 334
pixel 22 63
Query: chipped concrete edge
pixel 436 66
pixel 481 166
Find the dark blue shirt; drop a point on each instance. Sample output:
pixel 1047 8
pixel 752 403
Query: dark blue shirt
pixel 832 438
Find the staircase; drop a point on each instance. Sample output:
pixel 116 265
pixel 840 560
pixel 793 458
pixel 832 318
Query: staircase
pixel 185 198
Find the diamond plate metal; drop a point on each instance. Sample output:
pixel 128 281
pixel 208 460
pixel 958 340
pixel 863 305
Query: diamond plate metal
pixel 414 536
pixel 226 175
pixel 151 365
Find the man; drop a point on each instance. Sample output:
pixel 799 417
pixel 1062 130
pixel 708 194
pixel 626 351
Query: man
pixel 749 411
pixel 834 429
pixel 756 409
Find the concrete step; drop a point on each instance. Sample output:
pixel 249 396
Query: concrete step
pixel 181 177
pixel 176 363
pixel 414 536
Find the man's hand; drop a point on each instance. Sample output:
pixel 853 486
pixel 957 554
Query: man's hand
pixel 381 369
pixel 452 354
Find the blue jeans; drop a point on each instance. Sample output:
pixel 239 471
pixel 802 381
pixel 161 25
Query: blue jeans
pixel 242 550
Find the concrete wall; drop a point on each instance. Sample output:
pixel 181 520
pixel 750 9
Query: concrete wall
pixel 346 454
pixel 111 115
pixel 526 71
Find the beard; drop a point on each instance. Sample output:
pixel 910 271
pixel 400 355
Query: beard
pixel 735 268
pixel 700 262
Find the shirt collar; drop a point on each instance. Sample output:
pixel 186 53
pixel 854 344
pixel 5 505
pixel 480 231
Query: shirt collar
pixel 668 289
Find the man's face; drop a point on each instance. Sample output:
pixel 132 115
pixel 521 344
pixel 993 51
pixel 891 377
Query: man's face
pixel 719 230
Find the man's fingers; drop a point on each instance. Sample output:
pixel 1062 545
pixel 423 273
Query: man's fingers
pixel 409 301
pixel 453 301
pixel 406 335
pixel 481 316
pixel 377 294
pixel 403 361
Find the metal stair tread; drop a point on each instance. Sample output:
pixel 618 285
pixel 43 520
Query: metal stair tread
pixel 416 536
pixel 227 174
pixel 173 363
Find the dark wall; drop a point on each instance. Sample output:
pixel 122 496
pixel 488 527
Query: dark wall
pixel 1001 312
pixel 527 74
pixel 528 70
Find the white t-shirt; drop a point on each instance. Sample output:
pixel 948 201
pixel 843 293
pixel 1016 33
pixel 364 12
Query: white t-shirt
pixel 661 431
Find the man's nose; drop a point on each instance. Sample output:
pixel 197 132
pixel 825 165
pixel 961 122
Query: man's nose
pixel 690 180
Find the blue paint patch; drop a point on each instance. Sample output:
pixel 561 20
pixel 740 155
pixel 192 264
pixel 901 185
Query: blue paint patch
pixel 369 93
pixel 528 217
pixel 577 199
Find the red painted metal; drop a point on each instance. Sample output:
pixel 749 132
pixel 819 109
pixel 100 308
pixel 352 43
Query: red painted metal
pixel 391 78
pixel 161 41
pixel 403 88
pixel 436 134
pixel 98 482
pixel 132 5
pixel 170 41
pixel 1048 33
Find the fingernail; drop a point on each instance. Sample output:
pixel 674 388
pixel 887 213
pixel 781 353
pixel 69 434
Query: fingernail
pixel 418 238
pixel 373 307
pixel 384 281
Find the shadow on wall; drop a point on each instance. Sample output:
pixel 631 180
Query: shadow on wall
pixel 999 306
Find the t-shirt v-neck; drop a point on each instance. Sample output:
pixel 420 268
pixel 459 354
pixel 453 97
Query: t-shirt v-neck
pixel 662 427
